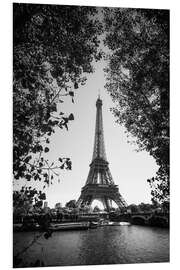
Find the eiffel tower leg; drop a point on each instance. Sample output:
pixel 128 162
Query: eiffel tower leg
pixel 103 202
pixel 110 203
pixel 106 202
pixel 86 201
pixel 79 201
pixel 120 203
pixel 89 200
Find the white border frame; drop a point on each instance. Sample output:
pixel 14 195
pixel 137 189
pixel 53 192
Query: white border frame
pixel 6 127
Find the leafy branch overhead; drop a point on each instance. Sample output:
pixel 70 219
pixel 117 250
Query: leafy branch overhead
pixel 138 82
pixel 53 47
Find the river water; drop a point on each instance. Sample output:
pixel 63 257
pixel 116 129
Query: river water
pixel 104 245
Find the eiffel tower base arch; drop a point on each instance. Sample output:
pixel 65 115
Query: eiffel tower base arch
pixel 105 193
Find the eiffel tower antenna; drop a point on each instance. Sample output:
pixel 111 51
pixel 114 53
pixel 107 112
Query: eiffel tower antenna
pixel 99 183
pixel 99 93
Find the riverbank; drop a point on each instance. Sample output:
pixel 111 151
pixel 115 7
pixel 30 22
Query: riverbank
pixel 145 219
pixel 44 221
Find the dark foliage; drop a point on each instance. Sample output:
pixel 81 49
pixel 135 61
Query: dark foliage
pixel 27 199
pixel 138 82
pixel 52 47
pixel 71 204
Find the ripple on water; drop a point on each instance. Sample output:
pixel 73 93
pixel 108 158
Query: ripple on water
pixel 104 245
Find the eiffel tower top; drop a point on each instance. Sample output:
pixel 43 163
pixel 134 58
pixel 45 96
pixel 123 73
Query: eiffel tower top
pixel 99 147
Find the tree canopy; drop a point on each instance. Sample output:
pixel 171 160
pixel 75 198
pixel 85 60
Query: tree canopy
pixel 53 46
pixel 27 200
pixel 138 82
pixel 71 204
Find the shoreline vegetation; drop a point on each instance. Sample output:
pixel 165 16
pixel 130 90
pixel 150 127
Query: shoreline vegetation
pixel 42 222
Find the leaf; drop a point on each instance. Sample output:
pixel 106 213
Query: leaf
pixel 27 159
pixel 28 177
pixel 71 93
pixel 71 117
pixel 66 126
pixel 76 85
pixel 42 196
pixel 62 166
pixel 46 149
pixel 39 204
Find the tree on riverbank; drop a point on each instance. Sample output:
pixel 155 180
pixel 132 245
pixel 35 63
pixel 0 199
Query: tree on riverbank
pixel 53 46
pixel 27 200
pixel 71 204
pixel 138 82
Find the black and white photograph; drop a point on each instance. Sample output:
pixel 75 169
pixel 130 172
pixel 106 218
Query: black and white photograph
pixel 91 135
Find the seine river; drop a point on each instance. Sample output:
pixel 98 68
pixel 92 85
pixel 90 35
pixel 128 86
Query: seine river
pixel 104 245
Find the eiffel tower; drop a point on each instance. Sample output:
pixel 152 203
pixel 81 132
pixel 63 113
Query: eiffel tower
pixel 100 184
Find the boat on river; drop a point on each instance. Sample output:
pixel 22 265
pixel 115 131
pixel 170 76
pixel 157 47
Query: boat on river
pixel 103 223
pixel 70 226
pixel 93 225
pixel 56 226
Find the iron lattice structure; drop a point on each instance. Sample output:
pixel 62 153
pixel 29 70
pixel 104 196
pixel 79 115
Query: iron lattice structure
pixel 99 184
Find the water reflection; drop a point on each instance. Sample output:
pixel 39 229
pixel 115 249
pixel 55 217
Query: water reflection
pixel 105 245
